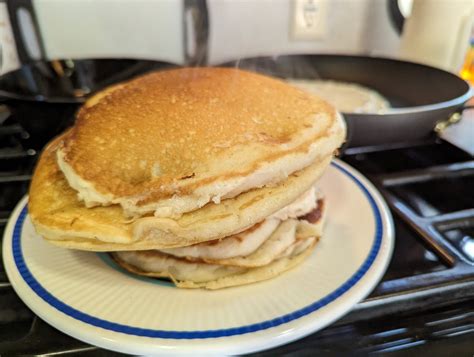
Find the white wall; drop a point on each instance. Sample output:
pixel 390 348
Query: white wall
pixel 245 28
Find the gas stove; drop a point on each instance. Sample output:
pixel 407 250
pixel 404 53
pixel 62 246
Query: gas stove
pixel 424 303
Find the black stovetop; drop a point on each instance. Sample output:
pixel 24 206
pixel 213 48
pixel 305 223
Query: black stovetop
pixel 424 303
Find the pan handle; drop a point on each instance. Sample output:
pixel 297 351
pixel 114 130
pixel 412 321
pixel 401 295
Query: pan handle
pixel 453 119
pixel 349 132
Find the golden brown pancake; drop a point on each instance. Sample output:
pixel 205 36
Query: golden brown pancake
pixel 172 141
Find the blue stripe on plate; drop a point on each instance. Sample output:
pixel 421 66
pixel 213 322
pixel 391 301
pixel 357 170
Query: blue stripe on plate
pixel 131 330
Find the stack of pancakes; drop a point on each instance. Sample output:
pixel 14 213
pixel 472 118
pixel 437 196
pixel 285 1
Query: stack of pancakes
pixel 205 176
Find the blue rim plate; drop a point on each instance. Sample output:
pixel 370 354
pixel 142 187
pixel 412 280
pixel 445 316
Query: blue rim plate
pixel 86 296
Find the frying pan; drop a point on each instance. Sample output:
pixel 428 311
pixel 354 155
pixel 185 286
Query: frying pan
pixel 44 95
pixel 422 98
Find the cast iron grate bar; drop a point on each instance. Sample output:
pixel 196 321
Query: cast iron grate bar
pixel 438 287
pixel 416 293
pixel 13 129
pixel 378 148
pixel 397 332
pixel 424 228
pixel 430 220
pixel 16 153
pixel 446 220
pixel 432 173
pixel 16 178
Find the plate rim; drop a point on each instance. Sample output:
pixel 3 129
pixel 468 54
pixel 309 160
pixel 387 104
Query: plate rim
pixel 383 231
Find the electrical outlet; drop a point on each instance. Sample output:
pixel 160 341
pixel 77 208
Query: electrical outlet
pixel 309 19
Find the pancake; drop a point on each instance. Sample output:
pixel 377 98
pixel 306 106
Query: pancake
pixel 253 275
pixel 227 252
pixel 346 97
pixel 248 241
pixel 192 275
pixel 280 243
pixel 173 141
pixel 304 230
pixel 243 243
pixel 205 176
pixel 268 260
pixel 60 217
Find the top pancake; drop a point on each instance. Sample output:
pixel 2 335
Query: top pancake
pixel 171 141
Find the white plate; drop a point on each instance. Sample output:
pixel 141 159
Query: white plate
pixel 86 296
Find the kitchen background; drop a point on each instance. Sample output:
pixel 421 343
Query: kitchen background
pixel 424 302
pixel 220 30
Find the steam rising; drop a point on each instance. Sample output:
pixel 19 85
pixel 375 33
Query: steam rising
pixel 282 67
